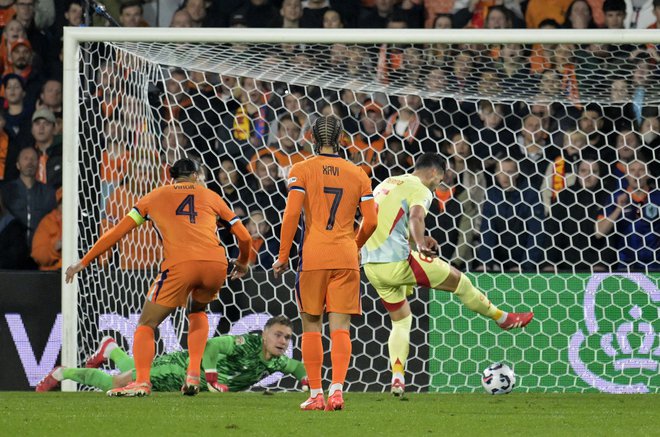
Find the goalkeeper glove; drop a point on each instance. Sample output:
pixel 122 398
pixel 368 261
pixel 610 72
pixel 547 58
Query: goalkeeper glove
pixel 212 383
pixel 304 384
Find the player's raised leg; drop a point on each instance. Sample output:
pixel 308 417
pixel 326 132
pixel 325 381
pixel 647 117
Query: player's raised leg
pixel 121 359
pixel 109 350
pixel 459 284
pixel 439 275
pixel 102 353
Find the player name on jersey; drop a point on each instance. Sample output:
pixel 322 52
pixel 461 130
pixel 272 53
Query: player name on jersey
pixel 330 170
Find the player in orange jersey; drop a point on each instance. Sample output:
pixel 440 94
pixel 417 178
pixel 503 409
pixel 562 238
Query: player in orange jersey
pixel 185 215
pixel 330 190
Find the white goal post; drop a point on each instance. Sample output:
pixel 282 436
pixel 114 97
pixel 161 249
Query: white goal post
pixel 74 38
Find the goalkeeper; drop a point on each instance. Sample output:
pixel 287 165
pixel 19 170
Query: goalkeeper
pixel 230 363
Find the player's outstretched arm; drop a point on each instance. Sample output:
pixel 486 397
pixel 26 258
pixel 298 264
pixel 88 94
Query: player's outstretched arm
pixel 425 245
pixel 216 349
pixel 294 205
pixel 107 240
pixel 241 266
pixel 369 221
pixel 297 369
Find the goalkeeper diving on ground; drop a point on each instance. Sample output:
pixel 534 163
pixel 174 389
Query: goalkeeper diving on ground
pixel 230 363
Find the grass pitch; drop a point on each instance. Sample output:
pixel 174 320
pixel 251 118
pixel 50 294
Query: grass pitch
pixel 366 414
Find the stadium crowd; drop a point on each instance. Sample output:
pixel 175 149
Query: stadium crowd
pixel 550 182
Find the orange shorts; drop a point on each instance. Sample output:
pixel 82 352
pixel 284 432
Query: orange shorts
pixel 203 279
pixel 336 291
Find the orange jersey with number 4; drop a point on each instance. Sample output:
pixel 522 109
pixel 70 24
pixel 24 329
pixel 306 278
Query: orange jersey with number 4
pixel 185 217
pixel 333 189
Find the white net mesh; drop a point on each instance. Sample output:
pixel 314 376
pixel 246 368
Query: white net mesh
pixel 543 142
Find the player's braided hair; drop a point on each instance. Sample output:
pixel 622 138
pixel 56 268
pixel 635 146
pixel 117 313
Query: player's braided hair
pixel 326 132
pixel 184 167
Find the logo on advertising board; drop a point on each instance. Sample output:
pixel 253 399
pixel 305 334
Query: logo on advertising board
pixel 620 342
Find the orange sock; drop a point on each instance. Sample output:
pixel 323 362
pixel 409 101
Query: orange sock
pixel 312 355
pixel 198 331
pixel 340 353
pixel 144 349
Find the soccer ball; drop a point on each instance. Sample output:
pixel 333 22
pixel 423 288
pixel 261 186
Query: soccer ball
pixel 498 379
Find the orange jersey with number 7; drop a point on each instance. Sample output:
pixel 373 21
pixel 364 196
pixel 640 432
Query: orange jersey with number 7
pixel 185 216
pixel 329 190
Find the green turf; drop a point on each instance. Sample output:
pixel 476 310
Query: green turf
pixel 228 414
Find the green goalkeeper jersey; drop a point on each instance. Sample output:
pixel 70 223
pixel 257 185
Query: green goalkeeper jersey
pixel 239 361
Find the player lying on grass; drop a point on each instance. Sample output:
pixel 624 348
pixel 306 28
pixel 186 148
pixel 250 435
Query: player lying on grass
pixel 393 268
pixel 230 363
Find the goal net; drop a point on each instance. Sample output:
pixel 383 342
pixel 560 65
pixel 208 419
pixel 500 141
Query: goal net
pixel 549 202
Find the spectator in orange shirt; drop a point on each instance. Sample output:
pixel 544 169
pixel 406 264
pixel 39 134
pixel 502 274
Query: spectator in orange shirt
pixel 540 10
pixel 47 240
pixel 656 12
pixel 7 11
pixel 25 13
pixel 114 158
pixel 11 33
pixel 288 152
pixel 8 151
pixel 139 250
pixel 21 58
pixel 408 125
pixel 369 141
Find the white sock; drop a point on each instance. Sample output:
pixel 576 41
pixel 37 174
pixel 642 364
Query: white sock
pixel 315 392
pixel 106 353
pixel 503 317
pixel 334 388
pixel 398 376
pixel 59 373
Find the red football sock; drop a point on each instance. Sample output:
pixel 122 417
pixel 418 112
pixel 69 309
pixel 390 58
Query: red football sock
pixel 144 349
pixel 312 355
pixel 198 332
pixel 340 353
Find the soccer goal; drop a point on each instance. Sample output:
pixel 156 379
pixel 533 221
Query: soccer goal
pixel 562 117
